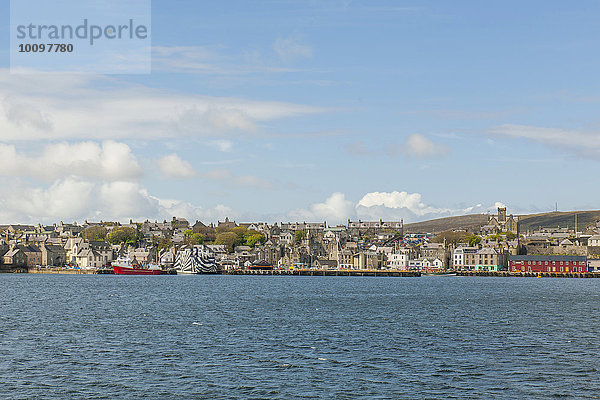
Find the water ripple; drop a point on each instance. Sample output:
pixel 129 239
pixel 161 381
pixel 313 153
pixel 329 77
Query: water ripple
pixel 224 337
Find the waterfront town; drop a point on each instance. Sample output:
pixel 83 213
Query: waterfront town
pixel 358 245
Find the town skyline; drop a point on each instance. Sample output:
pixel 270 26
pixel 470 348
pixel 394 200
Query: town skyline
pixel 292 111
pixel 494 244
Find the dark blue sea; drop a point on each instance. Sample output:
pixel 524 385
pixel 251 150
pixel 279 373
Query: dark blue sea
pixel 244 337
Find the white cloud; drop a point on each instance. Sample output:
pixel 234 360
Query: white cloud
pixel 226 146
pixel 43 107
pixel 174 167
pixel 23 115
pixel 186 59
pixel 411 201
pixel 73 199
pixel 578 142
pixel 191 212
pixel 69 197
pixel 391 206
pixel 77 199
pixel 335 209
pixel 417 145
pixel 125 200
pixel 291 48
pixel 207 60
pixel 109 160
pixel 410 207
pixel 220 118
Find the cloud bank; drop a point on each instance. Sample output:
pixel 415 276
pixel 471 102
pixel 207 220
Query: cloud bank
pixel 65 107
pixel 381 205
pixel 108 161
pixel 576 142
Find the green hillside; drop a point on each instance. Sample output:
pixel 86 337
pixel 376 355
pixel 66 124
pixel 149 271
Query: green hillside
pixel 468 222
pixel 526 222
pixel 562 219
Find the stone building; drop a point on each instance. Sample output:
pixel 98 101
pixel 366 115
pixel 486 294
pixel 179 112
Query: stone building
pixel 490 259
pixel 227 224
pixel 269 252
pixel 374 227
pixel 465 257
pixel 33 254
pixel 369 260
pixel 436 250
pixel 15 257
pixel 53 255
pixel 501 223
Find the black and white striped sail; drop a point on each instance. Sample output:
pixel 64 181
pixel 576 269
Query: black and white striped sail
pixel 196 260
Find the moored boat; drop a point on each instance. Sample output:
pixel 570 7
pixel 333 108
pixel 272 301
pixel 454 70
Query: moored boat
pixel 197 259
pixel 124 266
pixel 449 273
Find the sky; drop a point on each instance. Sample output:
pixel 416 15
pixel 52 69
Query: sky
pixel 315 111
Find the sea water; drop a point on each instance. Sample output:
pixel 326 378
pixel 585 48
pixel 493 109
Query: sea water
pixel 288 337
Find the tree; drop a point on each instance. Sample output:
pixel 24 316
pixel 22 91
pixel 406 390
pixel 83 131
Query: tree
pixel 194 239
pixel 511 236
pixel 451 237
pixel 299 236
pixel 473 240
pixel 161 243
pixel 241 233
pixel 255 238
pixel 122 235
pixel 496 237
pixel 228 239
pixel 95 233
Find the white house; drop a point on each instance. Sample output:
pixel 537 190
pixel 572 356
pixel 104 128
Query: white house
pixel 398 260
pixel 594 241
pixel 464 257
pixel 286 237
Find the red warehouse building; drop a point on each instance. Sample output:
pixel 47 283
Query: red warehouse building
pixel 547 263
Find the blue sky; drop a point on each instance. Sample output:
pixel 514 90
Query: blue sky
pixel 315 110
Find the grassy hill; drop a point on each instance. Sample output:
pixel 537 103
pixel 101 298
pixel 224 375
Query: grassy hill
pixel 562 219
pixel 468 222
pixel 532 222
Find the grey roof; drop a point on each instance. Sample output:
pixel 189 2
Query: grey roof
pixel 327 262
pixel 30 248
pixel 53 247
pixel 12 252
pixel 487 250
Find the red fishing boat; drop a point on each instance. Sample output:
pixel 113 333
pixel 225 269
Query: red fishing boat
pixel 124 266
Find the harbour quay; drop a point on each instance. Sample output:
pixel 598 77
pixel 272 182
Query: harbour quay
pixel 327 272
pixel 529 274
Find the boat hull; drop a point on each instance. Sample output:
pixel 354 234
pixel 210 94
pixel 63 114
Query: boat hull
pixel 135 271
